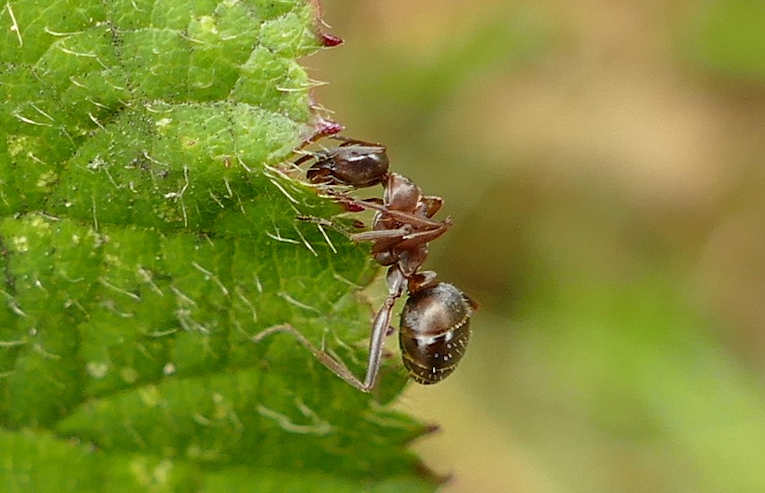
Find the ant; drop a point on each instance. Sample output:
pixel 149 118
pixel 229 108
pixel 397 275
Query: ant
pixel 435 322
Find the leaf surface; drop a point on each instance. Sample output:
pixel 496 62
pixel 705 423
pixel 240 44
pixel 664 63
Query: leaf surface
pixel 148 234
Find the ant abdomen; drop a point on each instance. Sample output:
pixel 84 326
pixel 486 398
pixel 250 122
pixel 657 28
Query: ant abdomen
pixel 434 331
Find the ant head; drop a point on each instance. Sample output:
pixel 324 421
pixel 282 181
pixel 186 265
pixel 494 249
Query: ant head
pixel 355 165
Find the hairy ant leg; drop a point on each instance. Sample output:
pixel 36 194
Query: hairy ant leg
pixel 341 228
pixel 382 234
pixel 326 359
pixel 304 158
pixel 401 216
pixel 414 239
pixel 380 328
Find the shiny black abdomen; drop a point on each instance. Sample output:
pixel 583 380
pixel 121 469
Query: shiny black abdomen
pixel 434 332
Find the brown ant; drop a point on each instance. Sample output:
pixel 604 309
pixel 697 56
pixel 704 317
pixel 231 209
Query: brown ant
pixel 435 322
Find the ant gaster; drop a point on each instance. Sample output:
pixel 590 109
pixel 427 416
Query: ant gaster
pixel 435 322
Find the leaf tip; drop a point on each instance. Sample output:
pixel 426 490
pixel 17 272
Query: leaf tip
pixel 425 430
pixel 432 476
pixel 324 128
pixel 327 40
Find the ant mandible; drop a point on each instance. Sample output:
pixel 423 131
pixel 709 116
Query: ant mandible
pixel 435 322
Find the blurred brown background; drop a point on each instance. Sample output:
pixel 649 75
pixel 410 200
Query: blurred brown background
pixel 603 162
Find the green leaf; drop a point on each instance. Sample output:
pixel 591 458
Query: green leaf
pixel 148 233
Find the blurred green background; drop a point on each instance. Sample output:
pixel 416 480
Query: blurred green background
pixel 603 162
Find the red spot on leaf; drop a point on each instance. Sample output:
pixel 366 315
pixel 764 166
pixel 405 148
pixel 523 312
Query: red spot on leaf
pixel 326 127
pixel 351 207
pixel 330 40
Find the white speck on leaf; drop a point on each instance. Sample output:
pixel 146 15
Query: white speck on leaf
pixel 97 369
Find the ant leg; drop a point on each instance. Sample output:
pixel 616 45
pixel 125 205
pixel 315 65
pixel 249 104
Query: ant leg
pixel 384 239
pixel 317 220
pixel 324 358
pixel 303 159
pixel 404 217
pixel 401 238
pixel 380 329
pixel 380 326
pixel 382 234
pixel 421 237
pixel 321 223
